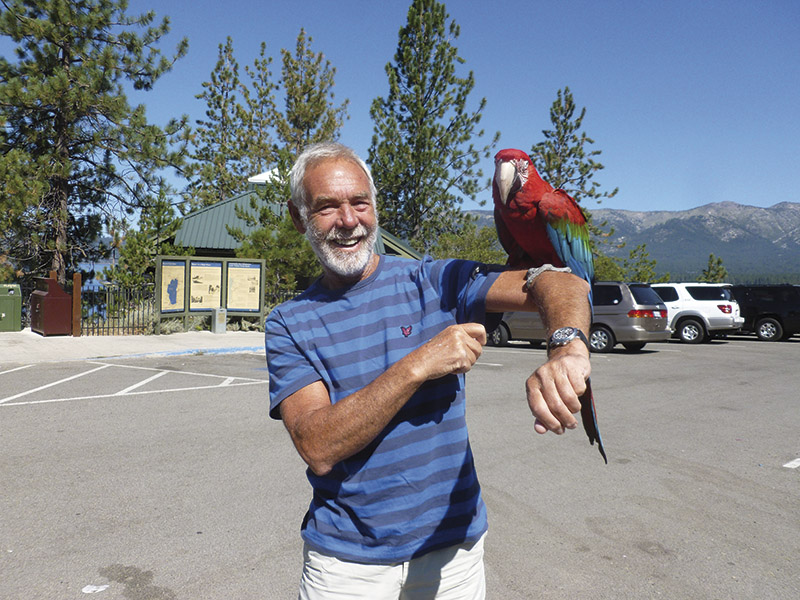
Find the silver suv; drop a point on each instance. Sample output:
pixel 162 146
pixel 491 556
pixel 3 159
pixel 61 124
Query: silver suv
pixel 629 314
pixel 699 311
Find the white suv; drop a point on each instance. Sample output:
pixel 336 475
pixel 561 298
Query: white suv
pixel 698 311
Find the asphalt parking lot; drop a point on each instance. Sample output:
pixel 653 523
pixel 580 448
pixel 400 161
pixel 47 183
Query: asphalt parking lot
pixel 162 478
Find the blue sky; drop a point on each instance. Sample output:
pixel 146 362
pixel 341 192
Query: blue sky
pixel 690 102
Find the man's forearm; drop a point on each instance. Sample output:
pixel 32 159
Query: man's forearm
pixel 329 433
pixel 563 301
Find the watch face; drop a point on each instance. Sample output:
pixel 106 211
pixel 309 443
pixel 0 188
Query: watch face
pixel 564 334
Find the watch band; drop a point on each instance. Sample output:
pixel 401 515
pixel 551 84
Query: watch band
pixel 564 335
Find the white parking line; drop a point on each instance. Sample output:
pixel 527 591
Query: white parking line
pixel 49 385
pixel 16 369
pixel 141 383
pixel 172 371
pixel 793 464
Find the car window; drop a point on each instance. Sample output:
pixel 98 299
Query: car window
pixel 667 293
pixel 644 294
pixel 708 292
pixel 606 295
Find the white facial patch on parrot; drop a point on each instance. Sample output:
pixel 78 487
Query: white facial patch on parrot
pixel 510 176
pixel 521 167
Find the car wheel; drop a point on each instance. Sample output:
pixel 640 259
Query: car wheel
pixel 499 337
pixel 601 339
pixel 633 346
pixel 769 330
pixel 691 331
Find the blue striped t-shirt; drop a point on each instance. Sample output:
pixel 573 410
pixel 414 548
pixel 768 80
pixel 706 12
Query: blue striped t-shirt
pixel 414 488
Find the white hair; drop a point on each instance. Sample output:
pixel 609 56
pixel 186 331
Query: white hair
pixel 313 155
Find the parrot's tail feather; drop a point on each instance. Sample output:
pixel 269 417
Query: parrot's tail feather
pixel 589 418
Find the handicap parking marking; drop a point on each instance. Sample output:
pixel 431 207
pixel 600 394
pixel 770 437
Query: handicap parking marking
pixel 134 389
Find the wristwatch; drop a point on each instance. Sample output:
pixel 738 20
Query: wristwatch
pixel 564 335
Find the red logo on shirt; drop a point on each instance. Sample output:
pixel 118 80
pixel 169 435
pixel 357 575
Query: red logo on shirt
pixel 406 330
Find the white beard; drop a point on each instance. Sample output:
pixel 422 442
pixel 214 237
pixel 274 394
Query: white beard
pixel 347 265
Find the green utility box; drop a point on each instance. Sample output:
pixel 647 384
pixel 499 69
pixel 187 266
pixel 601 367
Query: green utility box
pixel 10 307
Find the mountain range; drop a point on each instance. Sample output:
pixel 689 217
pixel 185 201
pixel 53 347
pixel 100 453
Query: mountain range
pixel 756 245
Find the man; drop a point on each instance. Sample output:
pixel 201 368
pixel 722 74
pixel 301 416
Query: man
pixel 366 370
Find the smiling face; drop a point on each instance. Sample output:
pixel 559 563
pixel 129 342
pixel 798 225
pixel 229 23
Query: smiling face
pixel 341 223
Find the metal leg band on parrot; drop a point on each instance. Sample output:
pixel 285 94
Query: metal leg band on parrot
pixel 536 271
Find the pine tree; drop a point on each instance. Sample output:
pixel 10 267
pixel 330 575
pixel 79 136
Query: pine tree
pixel 640 267
pixel 260 115
pixel 565 161
pixel 714 272
pixel 422 156
pixel 139 247
pixel 290 261
pixel 470 243
pixel 73 152
pixel 562 158
pixel 274 139
pixel 608 268
pixel 310 114
pixel 218 171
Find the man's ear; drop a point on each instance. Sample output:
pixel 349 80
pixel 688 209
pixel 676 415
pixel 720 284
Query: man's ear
pixel 296 219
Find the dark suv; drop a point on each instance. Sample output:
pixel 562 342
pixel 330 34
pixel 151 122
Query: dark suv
pixel 772 312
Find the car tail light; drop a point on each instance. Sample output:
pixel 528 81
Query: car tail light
pixel 726 308
pixel 649 314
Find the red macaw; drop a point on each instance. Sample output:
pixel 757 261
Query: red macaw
pixel 540 225
pixel 537 224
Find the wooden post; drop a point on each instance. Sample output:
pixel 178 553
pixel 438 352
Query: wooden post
pixel 76 304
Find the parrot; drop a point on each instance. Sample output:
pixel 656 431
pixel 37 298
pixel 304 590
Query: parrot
pixel 538 225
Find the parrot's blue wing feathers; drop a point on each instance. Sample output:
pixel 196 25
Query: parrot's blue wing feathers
pixel 572 248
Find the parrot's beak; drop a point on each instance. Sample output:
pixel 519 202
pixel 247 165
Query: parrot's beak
pixel 505 175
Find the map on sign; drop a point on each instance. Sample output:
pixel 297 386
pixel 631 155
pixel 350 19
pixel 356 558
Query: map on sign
pixel 173 274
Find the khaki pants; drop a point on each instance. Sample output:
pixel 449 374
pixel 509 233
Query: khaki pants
pixel 454 573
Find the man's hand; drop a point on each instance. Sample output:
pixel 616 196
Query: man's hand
pixel 453 350
pixel 554 389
